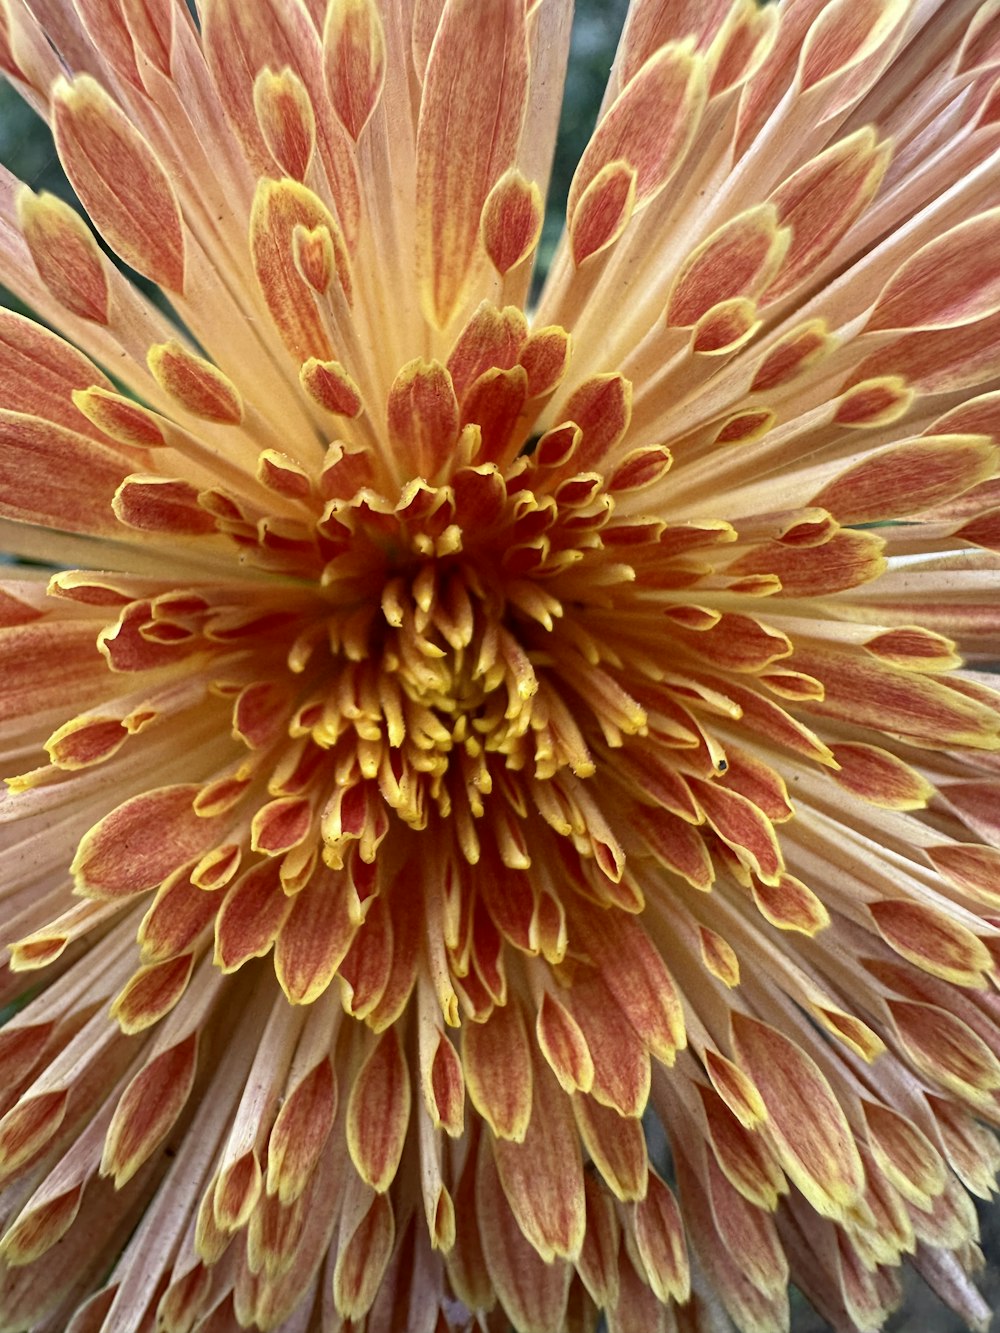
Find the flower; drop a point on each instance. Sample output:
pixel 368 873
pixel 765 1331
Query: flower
pixel 507 814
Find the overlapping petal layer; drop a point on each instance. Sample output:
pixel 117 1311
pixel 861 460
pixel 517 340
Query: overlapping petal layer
pixel 501 821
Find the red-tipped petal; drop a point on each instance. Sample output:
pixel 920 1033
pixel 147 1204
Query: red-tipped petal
pixel 378 1112
pixel 498 1075
pixel 805 1121
pixel 300 1133
pixel 121 182
pixel 66 255
pixel 148 1108
pixel 354 61
pixel 477 74
pixel 286 119
pixel 649 127
pixel 140 843
pixel 511 221
pixel 195 383
pixel 542 1177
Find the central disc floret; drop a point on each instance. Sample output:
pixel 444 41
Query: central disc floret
pixel 445 634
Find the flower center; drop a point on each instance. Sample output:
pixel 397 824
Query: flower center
pixel 448 606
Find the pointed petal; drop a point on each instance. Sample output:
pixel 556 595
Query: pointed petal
pixel 141 842
pixel 123 185
pixel 378 1112
pixel 477 74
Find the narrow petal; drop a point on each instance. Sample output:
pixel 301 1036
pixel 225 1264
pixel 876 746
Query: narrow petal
pixel 122 183
pixel 477 71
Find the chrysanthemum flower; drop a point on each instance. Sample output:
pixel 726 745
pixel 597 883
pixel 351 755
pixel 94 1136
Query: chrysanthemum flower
pixel 506 824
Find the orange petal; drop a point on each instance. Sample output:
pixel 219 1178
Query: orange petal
pixel 564 1046
pixel 533 1291
pixel 653 23
pixel 874 402
pixel 909 1160
pixel 661 1242
pixel 845 35
pixel 738 259
pixel 724 328
pixel 947 1050
pixel 748 1232
pixel 914 648
pixel 542 1177
pixel 492 340
pixel 362 1258
pixel 477 75
pixel 126 421
pixel 496 1057
pixel 41 372
pixel 971 867
pixel 847 560
pixel 616 1145
pixel 790 905
pixel 821 201
pixel 378 1112
pixel 744 1158
pixel 251 916
pixel 742 45
pixel 602 408
pixel 328 383
pixel 940 360
pixel 29 1125
pixel 880 777
pixel 649 127
pixel 597 1263
pixel 314 939
pixel 792 355
pixel 148 1108
pixel 603 210
pixel 444 1088
pixel 141 842
pixel 719 957
pixel 300 1133
pixel 545 359
pixel 874 694
pixel 511 222
pixel 423 418
pixel 279 207
pixel 162 504
pixel 948 281
pixel 66 255
pixel 240 42
pixel 906 478
pixel 40 1226
pixel 637 977
pixel 742 826
pixel 179 914
pixel 621 1062
pixel 677 846
pixel 494 403
pixel 123 185
pixel 55 477
pixel 286 119
pixel 354 61
pixel 195 383
pixel 151 992
pixel 934 940
pixel 805 1122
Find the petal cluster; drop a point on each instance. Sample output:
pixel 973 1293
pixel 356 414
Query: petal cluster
pixel 501 815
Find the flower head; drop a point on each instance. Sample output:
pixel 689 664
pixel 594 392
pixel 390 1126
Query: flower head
pixel 506 825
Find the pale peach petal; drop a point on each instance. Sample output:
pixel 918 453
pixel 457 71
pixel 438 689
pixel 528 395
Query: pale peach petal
pixel 509 752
